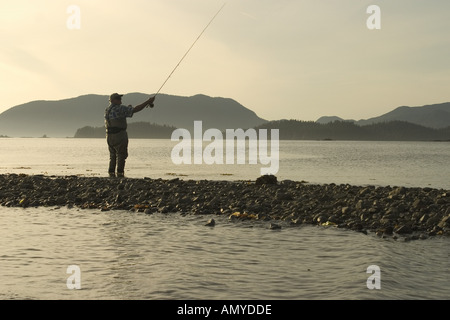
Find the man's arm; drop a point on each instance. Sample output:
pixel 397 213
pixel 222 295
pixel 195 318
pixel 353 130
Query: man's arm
pixel 143 105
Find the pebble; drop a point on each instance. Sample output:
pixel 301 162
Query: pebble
pixel 274 226
pixel 411 213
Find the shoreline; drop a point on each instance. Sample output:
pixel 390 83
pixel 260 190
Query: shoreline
pixel 409 212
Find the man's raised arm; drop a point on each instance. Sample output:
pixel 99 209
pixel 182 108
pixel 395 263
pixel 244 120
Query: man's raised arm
pixel 143 105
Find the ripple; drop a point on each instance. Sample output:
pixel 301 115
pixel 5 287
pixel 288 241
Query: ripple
pixel 125 256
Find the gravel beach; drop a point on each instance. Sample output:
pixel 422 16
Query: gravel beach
pixel 397 212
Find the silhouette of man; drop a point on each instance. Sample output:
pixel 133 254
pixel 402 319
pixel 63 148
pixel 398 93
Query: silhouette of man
pixel 116 131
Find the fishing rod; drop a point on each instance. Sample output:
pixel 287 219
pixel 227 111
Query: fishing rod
pixel 187 52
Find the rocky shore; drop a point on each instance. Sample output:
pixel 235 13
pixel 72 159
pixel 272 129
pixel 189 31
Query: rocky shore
pixel 409 213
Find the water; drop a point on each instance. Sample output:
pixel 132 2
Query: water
pixel 125 255
pixel 410 164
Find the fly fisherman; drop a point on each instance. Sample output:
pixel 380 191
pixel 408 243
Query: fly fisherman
pixel 116 131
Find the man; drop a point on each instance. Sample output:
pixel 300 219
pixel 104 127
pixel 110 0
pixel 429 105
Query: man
pixel 116 131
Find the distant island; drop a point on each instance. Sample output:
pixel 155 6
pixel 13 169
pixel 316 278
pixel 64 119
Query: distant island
pixel 136 130
pixel 344 130
pixel 426 123
pixel 302 130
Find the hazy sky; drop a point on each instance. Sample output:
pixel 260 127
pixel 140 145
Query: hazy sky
pixel 294 59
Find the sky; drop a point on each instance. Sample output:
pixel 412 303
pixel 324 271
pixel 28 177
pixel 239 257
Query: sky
pixel 283 59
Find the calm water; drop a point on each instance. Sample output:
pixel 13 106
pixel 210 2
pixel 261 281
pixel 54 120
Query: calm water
pixel 125 255
pixel 414 164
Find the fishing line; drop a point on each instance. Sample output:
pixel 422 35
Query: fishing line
pixel 187 52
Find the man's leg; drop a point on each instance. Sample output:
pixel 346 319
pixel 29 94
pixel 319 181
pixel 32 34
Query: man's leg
pixel 112 158
pixel 122 154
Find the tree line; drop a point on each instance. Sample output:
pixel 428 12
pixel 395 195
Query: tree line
pixel 301 130
pixel 136 130
pixel 346 130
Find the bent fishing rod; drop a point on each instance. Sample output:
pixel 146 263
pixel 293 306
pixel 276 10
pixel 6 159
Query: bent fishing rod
pixel 187 52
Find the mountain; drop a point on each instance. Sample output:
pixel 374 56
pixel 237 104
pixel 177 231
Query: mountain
pixel 433 116
pixel 64 117
pixel 345 130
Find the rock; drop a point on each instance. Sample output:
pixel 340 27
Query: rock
pixel 321 218
pixel 404 229
pixel 365 191
pixel 334 218
pixel 274 226
pixel 444 223
pixel 414 237
pixel 423 219
pixel 24 202
pixel 210 223
pixel 432 221
pixel 283 196
pixel 418 204
pixel 365 216
pixel 393 212
pixel 163 209
pixel 357 226
pixel 423 236
pixel 386 231
pixel 371 208
pixel 262 216
pixel 397 192
pixel 361 205
pixel 267 179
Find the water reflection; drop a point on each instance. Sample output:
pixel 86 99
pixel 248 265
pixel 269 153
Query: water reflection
pixel 124 255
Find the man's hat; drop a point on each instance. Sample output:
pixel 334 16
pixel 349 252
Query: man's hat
pixel 115 96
